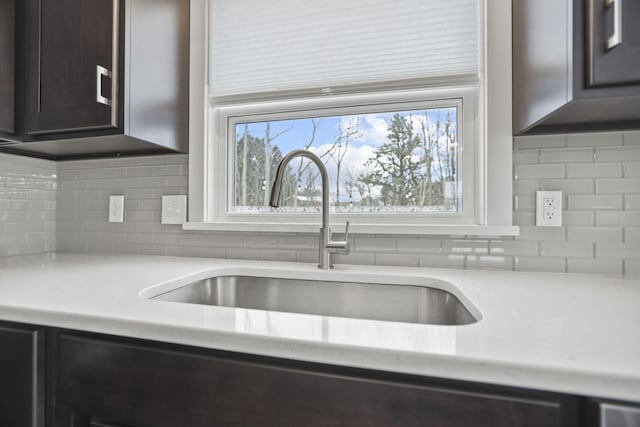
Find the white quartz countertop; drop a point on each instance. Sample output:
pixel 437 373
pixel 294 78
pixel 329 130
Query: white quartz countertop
pixel 558 332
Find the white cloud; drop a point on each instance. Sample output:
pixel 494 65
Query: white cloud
pixel 373 129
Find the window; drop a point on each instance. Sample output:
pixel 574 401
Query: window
pixel 391 96
pixel 378 162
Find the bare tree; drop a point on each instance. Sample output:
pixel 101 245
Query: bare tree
pixel 429 139
pixel 268 158
pixel 348 132
pixel 245 150
pixel 303 165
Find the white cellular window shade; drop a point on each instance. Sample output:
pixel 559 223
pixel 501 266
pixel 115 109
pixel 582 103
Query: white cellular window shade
pixel 263 46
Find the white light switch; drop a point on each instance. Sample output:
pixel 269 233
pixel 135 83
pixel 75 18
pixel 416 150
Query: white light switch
pixel 116 208
pixel 174 209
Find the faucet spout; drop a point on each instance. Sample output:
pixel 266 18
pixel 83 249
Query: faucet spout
pixel 327 247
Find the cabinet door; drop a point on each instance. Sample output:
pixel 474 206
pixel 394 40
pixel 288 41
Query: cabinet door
pixel 21 375
pixel 613 48
pixel 73 65
pixel 7 65
pixel 135 383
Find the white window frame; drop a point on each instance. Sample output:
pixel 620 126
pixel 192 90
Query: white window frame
pixel 491 140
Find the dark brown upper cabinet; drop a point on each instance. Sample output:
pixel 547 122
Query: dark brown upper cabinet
pixel 101 78
pixel 576 65
pixel 7 66
pixel 74 56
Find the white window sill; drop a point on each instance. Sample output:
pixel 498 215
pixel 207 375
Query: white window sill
pixel 399 229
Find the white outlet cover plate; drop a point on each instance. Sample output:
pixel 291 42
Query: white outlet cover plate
pixel 549 208
pixel 116 208
pixel 174 209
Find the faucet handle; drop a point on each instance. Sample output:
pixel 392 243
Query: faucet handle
pixel 340 246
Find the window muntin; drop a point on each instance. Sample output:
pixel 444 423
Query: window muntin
pixel 389 161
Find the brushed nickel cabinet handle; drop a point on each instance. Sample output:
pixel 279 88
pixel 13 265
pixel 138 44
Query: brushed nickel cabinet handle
pixel 616 38
pixel 100 72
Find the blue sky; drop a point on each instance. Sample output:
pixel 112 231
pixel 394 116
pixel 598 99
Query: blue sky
pixel 328 129
pixel 372 132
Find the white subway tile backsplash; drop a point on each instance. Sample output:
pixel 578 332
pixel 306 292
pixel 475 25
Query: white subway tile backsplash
pixel 148 182
pixel 524 218
pixel 224 240
pixel 419 245
pixel 632 138
pixel 307 256
pixel 208 252
pixel 402 260
pixel 260 241
pixel 375 244
pixel 524 202
pixel 618 251
pixel 27 205
pixel 632 170
pixel 594 202
pixel 277 255
pixel 489 262
pixel 458 246
pixel 244 253
pixel 566 249
pixel 599 266
pixel 538 263
pixel 568 186
pixel 632 234
pixel 356 257
pixel 617 219
pixel 537 171
pixel 632 202
pixel 594 139
pixel 566 155
pixel 526 186
pixel 523 157
pixel 531 232
pixel 442 261
pixel 137 171
pixel 600 232
pixel 594 170
pixel 578 218
pixel 594 234
pixel 539 141
pixel 618 186
pixel 297 242
pixel 622 154
pixel 513 247
pixel 632 268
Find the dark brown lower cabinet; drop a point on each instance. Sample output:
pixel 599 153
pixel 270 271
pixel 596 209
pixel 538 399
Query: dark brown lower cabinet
pixel 101 381
pixel 22 375
pixel 105 381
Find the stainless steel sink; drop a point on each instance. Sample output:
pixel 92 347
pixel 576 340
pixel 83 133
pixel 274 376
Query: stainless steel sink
pixel 399 303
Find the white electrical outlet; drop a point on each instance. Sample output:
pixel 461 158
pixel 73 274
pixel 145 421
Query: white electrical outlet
pixel 116 208
pixel 174 209
pixel 549 208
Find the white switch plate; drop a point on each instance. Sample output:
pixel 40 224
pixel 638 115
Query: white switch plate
pixel 116 208
pixel 174 209
pixel 549 208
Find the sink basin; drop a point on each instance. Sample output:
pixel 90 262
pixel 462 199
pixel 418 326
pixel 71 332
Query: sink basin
pixel 390 302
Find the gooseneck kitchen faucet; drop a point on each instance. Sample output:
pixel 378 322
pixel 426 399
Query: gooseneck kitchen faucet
pixel 327 247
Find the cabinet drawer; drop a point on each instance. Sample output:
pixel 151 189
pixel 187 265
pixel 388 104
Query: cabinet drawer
pixel 141 384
